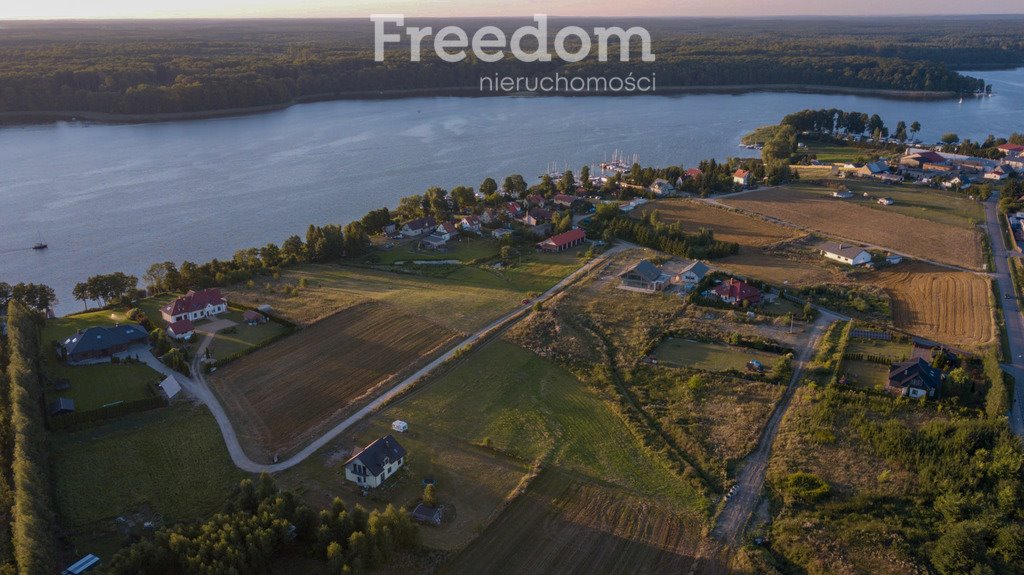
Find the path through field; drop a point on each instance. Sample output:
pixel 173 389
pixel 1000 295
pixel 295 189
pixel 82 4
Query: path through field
pixel 200 389
pixel 733 519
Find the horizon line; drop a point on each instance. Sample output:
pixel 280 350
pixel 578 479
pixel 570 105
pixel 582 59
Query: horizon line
pixel 527 16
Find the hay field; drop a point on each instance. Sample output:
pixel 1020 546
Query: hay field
pixel 844 218
pixel 282 395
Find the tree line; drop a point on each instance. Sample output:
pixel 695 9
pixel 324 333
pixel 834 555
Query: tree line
pixel 24 435
pixel 609 222
pixel 261 525
pixel 36 296
pixel 195 70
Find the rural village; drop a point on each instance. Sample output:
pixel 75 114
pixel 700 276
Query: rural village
pixel 698 346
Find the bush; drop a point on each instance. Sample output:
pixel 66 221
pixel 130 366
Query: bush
pixel 803 487
pixel 430 495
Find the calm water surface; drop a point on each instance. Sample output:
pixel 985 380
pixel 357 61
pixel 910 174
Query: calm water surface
pixel 118 198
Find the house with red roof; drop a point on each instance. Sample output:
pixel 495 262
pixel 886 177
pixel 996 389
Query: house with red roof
pixel 513 209
pixel 1011 149
pixel 694 173
pixel 195 305
pixel 741 178
pixel 563 241
pixel 736 292
pixel 181 329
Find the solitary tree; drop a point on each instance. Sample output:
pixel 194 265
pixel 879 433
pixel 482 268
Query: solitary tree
pixel 429 497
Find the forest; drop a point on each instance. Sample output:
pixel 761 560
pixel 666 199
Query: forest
pixel 182 66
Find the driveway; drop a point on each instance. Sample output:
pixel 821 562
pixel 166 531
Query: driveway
pixel 733 519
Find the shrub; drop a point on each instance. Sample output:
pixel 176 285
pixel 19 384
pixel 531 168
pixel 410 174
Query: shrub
pixel 803 487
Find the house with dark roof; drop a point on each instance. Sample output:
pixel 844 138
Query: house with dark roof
pixel 736 292
pixel 662 187
pixel 914 378
pixel 645 277
pixel 373 464
pixel 845 253
pixel 62 405
pixel 563 241
pixel 195 305
pixel 418 227
pixel 96 343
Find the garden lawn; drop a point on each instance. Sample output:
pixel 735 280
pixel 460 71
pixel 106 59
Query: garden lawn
pixel 709 356
pixel 893 350
pixel 94 386
pixel 243 337
pixel 170 463
pixel 865 374
pixel 466 250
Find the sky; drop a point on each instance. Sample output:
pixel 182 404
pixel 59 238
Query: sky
pixel 112 9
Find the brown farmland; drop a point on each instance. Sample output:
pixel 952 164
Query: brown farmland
pixel 767 250
pixel 830 216
pixel 282 395
pixel 561 525
pixel 950 307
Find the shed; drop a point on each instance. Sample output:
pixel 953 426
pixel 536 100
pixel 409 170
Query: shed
pixel 62 405
pixel 399 426
pixel 252 317
pixel 170 387
pixel 82 565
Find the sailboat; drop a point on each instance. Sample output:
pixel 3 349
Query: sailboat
pixel 40 245
pixel 961 99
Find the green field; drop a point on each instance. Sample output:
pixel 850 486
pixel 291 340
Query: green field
pixel 939 206
pixel 466 250
pixel 464 300
pixel 94 386
pixel 893 350
pixel 865 374
pixel 709 356
pixel 477 429
pixel 243 337
pixel 170 465
pixel 58 329
pixel 831 153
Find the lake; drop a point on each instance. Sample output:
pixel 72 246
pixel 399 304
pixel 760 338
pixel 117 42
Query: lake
pixel 120 197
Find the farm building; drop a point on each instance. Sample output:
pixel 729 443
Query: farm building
pixel 101 342
pixel 418 227
pixel 563 241
pixel 644 276
pixel 195 305
pixel 843 253
pixel 914 378
pixel 741 178
pixel 736 292
pixel 182 329
pixel 425 514
pixel 372 465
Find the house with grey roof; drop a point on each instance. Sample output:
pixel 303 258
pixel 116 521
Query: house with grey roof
pixel 685 273
pixel 98 343
pixel 915 378
pixel 644 276
pixel 372 465
pixel 845 253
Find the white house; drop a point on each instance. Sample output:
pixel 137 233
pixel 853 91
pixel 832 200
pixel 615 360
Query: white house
pixel 471 224
pixel 418 227
pixel 847 254
pixel 195 305
pixel 373 464
pixel 741 178
pixel 662 187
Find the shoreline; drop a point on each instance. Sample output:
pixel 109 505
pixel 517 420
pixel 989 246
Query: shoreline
pixel 28 118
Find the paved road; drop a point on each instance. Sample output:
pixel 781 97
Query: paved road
pixel 733 520
pixel 1011 310
pixel 198 387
